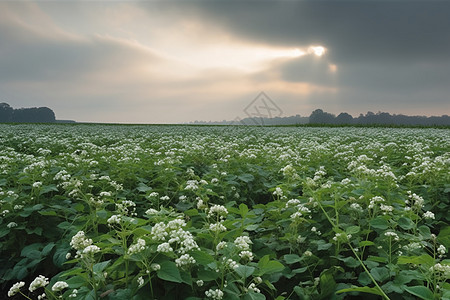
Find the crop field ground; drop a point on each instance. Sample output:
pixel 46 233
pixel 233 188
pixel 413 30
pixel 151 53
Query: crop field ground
pixel 211 212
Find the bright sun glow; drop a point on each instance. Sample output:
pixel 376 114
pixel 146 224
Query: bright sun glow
pixel 317 50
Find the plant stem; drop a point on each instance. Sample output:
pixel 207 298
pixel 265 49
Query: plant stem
pixel 368 273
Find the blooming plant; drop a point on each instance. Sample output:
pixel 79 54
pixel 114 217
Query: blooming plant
pixel 181 212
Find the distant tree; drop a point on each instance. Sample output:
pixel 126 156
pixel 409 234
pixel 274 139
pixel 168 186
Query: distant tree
pixel 26 115
pixel 6 112
pixel 344 118
pixel 320 117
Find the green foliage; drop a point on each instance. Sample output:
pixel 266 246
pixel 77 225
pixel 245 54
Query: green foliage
pixel 161 212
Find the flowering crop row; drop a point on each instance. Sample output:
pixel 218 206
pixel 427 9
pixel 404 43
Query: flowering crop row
pixel 183 212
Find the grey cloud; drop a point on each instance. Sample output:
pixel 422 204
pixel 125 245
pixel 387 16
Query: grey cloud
pixel 396 31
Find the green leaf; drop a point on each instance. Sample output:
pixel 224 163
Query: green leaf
pixel 379 223
pixel 99 267
pixel 48 248
pixel 377 259
pixel 364 289
pixel 142 187
pixel 47 189
pixel 243 209
pixel 292 258
pixel 267 266
pixel 327 285
pixel 244 271
pixel 420 291
pixel 444 236
pixel 191 212
pixel 202 258
pixel 246 177
pixel 352 229
pixel 169 271
pixel 48 212
pixel 380 273
pixel 406 223
pixel 366 243
pixel 254 296
pixel 423 259
pixel 351 262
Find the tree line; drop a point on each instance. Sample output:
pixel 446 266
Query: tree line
pixel 26 115
pixel 383 118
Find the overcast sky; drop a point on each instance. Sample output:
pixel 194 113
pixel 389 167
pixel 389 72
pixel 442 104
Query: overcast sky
pixel 180 61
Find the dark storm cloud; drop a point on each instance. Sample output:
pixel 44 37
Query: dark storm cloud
pixel 354 31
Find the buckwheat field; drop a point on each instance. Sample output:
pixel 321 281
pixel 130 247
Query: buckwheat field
pixel 198 212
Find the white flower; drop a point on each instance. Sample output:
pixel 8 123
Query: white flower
pixel 155 267
pixel 441 249
pixel 246 255
pixel 151 211
pixel 231 263
pixel 242 242
pixel 138 247
pixel 221 245
pixel 199 282
pixel 140 281
pixel 252 287
pixel 258 280
pixel 308 253
pixel 59 286
pixel 40 281
pixel 114 219
pixel 217 227
pixel 92 249
pixel 11 224
pixel 428 215
pixel 393 234
pixel 184 260
pixel 37 184
pixel 278 192
pixel 164 248
pixel 15 288
pixel 68 255
pixel 79 241
pixel 214 294
pixel 219 210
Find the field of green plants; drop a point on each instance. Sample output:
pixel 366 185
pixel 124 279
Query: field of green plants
pixel 198 212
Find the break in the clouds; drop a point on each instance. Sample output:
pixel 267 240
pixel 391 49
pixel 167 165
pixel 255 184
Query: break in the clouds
pixel 178 61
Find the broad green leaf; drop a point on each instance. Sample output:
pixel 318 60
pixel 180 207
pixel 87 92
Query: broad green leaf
pixel 246 177
pixel 254 296
pixel 48 212
pixel 444 236
pixel 244 271
pixel 202 258
pixel 377 259
pixel 169 271
pixel 327 285
pixel 364 289
pixel 405 223
pixel 352 229
pixel 424 259
pixel 292 258
pixel 243 209
pixel 48 188
pixel 99 267
pixel 420 291
pixel 379 223
pixel 380 273
pixel 366 243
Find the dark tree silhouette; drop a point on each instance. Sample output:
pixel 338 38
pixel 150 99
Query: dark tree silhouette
pixel 383 118
pixel 320 117
pixel 6 112
pixel 344 118
pixel 26 115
